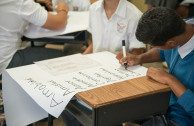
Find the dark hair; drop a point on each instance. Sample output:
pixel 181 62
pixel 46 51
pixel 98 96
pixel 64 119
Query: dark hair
pixel 158 25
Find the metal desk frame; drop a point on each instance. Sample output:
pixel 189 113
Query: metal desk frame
pixel 120 112
pixel 72 38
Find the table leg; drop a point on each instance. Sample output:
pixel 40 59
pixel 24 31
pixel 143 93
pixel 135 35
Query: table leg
pixel 50 120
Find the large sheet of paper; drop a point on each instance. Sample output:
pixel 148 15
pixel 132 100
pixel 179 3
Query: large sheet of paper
pixel 52 93
pixel 67 64
pixel 77 21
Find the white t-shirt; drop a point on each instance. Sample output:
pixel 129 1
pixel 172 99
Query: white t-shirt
pixel 187 2
pixel 74 5
pixel 15 16
pixel 107 35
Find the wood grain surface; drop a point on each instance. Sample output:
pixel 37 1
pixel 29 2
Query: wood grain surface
pixel 121 91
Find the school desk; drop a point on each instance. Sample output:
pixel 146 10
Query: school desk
pixel 112 104
pixel 121 102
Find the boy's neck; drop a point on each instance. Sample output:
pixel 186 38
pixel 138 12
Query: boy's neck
pixel 110 6
pixel 188 34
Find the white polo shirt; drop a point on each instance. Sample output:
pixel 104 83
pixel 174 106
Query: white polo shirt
pixel 107 35
pixel 79 5
pixel 15 16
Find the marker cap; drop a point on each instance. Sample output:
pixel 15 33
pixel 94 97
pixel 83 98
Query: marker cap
pixel 123 42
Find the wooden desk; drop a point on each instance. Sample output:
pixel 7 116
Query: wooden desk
pixel 124 101
pixel 112 104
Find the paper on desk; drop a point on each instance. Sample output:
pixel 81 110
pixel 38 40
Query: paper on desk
pixel 77 21
pixel 19 107
pixel 52 93
pixel 105 58
pixel 67 64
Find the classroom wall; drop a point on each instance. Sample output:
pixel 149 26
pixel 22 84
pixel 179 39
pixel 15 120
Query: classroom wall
pixel 140 4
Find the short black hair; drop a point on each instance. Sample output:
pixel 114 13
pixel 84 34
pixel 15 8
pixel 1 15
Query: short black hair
pixel 158 25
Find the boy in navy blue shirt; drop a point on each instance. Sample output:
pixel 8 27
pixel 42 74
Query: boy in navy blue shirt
pixel 173 40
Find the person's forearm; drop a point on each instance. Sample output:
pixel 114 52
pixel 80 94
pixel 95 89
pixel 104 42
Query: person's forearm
pixel 176 86
pixel 62 17
pixel 152 55
pixel 56 22
pixel 138 51
pixel 89 49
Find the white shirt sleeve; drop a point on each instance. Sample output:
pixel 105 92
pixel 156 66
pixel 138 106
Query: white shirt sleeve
pixel 85 4
pixel 133 42
pixel 89 29
pixel 186 2
pixel 33 13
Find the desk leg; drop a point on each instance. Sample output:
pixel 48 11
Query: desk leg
pixel 95 117
pixel 32 43
pixel 50 120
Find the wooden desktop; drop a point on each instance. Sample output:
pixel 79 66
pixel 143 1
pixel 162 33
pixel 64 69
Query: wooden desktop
pixel 121 102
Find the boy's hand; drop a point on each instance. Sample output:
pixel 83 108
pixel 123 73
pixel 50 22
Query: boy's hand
pixel 159 75
pixel 62 5
pixel 130 58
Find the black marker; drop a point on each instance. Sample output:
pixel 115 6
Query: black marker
pixel 124 53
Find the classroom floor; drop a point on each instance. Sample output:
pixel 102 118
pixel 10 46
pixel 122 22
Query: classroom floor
pixel 57 122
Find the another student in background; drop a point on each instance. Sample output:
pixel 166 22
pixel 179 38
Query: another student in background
pixel 112 21
pixel 174 41
pixel 185 8
pixel 16 15
pixel 74 5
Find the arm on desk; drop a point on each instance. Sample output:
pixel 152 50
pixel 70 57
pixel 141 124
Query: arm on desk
pixel 58 21
pixel 165 78
pixel 183 94
pixel 138 51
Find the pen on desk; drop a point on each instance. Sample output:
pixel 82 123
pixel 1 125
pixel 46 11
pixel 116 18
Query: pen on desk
pixel 124 53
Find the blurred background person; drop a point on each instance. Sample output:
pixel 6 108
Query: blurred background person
pixel 185 8
pixel 110 22
pixel 74 5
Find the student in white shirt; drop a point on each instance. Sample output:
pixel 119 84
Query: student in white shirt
pixel 15 16
pixel 74 5
pixel 112 21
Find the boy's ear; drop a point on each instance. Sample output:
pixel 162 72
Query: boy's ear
pixel 172 43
